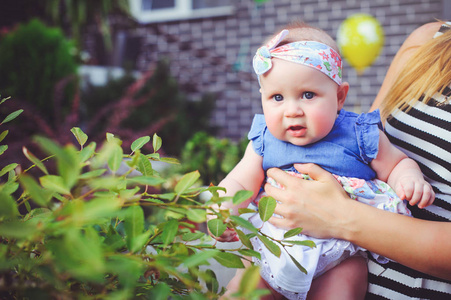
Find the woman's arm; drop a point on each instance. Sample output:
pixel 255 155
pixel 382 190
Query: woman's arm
pixel 325 211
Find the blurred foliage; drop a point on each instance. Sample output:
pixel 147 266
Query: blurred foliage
pixel 213 157
pixel 157 101
pixel 34 59
pixel 80 231
pixel 77 14
pixel 38 70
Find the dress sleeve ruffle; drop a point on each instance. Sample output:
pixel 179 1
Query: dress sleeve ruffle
pixel 367 129
pixel 255 135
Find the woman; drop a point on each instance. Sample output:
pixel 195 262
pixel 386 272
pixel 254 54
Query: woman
pixel 421 246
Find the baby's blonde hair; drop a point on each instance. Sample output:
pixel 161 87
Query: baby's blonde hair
pixel 427 72
pixel 300 31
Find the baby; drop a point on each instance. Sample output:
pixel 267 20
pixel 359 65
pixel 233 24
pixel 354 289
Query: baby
pixel 302 94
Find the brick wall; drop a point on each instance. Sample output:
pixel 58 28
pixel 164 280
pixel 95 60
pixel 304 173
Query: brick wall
pixel 214 54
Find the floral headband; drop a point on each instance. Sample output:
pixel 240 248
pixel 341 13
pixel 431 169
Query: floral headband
pixel 313 54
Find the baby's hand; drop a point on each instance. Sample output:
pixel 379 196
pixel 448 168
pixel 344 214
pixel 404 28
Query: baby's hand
pixel 415 190
pixel 229 235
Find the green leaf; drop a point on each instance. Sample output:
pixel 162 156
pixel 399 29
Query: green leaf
pixel 300 267
pixel 129 269
pixel 68 163
pixel 147 180
pixel 115 159
pixel 242 196
pixel 37 162
pixel 186 182
pixel 196 215
pixel 133 224
pixel 272 247
pixel 250 280
pixel 292 232
pixel 16 229
pixel 192 236
pixel 161 291
pixel 229 260
pixel 106 182
pixel 166 196
pixel 216 227
pixel 54 183
pixel 244 239
pixel 266 207
pixel 249 252
pixel 199 258
pixel 169 231
pixel 87 152
pixel 153 156
pixel 112 139
pixel 40 196
pixel 243 223
pixel 156 142
pixel 246 211
pixel 79 254
pixel 79 135
pixel 212 281
pixel 3 148
pixel 4 99
pixel 144 166
pixel 8 168
pixel 100 207
pixel 92 174
pixel 3 135
pixel 8 208
pixel 139 143
pixel 12 116
pixel 170 160
pixel 9 187
pixel 307 243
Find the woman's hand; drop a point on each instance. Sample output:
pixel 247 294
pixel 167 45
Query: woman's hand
pixel 319 206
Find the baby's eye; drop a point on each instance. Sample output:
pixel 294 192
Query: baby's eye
pixel 308 95
pixel 277 97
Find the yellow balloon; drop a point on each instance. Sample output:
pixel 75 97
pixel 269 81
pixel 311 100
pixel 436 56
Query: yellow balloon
pixel 360 38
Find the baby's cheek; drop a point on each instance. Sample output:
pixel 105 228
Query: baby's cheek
pixel 323 123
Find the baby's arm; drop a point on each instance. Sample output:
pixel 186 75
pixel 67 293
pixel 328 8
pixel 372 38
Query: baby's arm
pixel 402 173
pixel 248 175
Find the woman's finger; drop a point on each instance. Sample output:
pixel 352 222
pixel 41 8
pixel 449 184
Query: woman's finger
pixel 314 171
pixel 279 176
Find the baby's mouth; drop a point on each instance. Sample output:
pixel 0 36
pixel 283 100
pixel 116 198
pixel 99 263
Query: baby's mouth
pixel 297 130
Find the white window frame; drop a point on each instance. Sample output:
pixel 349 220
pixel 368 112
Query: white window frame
pixel 182 11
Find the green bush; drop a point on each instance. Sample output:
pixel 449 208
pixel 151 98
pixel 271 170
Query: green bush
pixel 34 58
pixel 213 157
pixel 80 232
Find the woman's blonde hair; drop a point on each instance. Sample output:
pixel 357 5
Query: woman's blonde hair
pixel 427 72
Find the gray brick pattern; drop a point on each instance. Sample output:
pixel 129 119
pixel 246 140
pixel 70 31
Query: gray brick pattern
pixel 214 54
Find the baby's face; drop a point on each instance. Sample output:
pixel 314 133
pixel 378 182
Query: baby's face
pixel 300 103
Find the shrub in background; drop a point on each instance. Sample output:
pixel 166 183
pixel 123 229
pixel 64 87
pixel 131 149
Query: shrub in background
pixel 34 58
pixel 213 157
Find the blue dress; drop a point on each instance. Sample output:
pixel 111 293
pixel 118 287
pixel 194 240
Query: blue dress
pixel 346 152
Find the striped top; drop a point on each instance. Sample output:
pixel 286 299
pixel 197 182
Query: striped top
pixel 424 134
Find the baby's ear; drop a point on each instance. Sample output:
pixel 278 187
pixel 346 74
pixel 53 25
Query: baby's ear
pixel 342 92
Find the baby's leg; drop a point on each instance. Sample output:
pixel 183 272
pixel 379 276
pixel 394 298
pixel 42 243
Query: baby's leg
pixel 234 286
pixel 347 281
